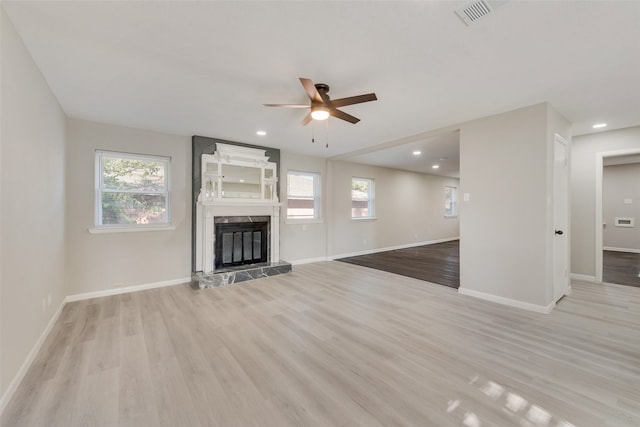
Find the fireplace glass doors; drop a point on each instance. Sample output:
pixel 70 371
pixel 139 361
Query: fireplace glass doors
pixel 241 243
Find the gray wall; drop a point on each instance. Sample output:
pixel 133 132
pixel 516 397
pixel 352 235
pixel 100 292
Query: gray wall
pixel 33 211
pixel 303 242
pixel 409 209
pixel 102 261
pixel 583 189
pixel 506 226
pixel 621 182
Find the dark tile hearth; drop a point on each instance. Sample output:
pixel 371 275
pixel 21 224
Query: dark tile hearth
pixel 233 275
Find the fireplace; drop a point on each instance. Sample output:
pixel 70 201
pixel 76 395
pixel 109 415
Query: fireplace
pixel 236 217
pixel 240 243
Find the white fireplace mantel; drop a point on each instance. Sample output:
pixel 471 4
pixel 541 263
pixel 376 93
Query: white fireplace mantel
pixel 236 181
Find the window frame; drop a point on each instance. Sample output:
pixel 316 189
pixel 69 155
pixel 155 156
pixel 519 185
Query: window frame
pixel 371 199
pixel 454 200
pixel 99 190
pixel 317 197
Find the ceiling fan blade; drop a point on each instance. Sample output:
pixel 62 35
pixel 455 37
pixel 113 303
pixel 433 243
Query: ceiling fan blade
pixel 306 119
pixel 354 100
pixel 287 105
pixel 311 89
pixel 344 116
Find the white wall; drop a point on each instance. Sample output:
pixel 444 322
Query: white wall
pixel 98 262
pixel 33 211
pixel 583 189
pixel 621 182
pixel 506 227
pixel 409 209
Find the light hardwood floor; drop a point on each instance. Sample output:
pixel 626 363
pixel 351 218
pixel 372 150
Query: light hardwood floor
pixel 334 344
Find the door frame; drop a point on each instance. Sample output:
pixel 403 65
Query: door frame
pixel 567 218
pixel 599 245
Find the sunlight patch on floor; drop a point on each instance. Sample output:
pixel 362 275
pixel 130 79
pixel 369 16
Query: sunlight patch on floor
pixel 528 414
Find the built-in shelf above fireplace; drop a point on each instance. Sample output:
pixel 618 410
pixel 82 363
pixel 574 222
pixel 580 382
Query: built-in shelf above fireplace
pixel 239 187
pixel 238 173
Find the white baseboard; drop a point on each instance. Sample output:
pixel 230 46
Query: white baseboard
pixel 628 250
pixel 308 260
pixel 17 379
pixel 391 248
pixel 126 289
pixel 508 301
pixel 583 277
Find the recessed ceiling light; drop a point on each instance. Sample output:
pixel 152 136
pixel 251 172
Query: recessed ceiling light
pixel 242 180
pixel 261 133
pixel 435 166
pixel 599 125
pixel 417 153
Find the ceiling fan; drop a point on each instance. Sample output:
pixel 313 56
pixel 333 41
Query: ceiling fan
pixel 322 106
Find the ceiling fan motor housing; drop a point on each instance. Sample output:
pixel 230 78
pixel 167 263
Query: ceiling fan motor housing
pixel 322 87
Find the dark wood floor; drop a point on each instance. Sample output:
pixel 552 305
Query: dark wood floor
pixel 622 268
pixel 438 263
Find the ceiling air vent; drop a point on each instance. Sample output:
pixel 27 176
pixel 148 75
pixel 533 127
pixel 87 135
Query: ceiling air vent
pixel 475 11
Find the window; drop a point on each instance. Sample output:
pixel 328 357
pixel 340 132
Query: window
pixel 450 201
pixel 362 198
pixel 131 190
pixel 303 195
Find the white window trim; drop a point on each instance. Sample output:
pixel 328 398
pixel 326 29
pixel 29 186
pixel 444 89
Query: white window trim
pixel 364 218
pixel 105 229
pixel 98 190
pixel 371 198
pixel 317 198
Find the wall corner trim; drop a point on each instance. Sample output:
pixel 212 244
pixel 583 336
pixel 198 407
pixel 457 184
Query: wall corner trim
pixel 508 301
pixel 17 379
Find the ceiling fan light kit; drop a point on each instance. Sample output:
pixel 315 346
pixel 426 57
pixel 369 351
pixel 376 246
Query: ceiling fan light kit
pixel 321 106
pixel 319 113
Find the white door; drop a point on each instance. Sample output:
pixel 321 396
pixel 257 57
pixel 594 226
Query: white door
pixel 560 219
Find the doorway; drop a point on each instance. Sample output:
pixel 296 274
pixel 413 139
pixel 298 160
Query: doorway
pixel 616 260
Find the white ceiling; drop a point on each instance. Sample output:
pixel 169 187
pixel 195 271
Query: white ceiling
pixel 206 68
pixel 442 149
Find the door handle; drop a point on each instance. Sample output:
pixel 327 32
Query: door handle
pixel 559 232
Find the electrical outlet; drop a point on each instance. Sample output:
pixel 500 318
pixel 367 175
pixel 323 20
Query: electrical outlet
pixel 49 300
pixel 415 236
pixel 364 242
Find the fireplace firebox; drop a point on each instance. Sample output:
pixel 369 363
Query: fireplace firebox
pixel 241 243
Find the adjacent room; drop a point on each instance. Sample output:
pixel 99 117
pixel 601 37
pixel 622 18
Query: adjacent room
pixel 280 213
